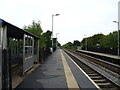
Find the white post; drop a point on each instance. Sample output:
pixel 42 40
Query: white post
pixel 38 52
pixel 24 54
pixel 56 40
pixel 52 29
pixel 5 37
pixel 118 37
pixel 1 35
pixel 118 40
pixel 32 50
pixel 85 42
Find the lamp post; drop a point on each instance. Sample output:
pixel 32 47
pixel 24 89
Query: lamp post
pixel 118 36
pixel 52 28
pixel 56 40
pixel 85 42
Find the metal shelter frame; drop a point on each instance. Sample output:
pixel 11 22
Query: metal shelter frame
pixel 10 32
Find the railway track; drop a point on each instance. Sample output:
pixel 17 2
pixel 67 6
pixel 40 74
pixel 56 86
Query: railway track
pixel 106 64
pixel 105 58
pixel 101 75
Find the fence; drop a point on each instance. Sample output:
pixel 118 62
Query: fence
pixel 112 51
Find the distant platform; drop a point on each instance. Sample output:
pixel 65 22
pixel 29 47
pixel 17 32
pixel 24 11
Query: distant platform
pixel 101 54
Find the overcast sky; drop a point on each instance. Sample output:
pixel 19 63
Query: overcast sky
pixel 77 17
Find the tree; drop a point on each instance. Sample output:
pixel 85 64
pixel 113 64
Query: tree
pixel 113 39
pixel 34 28
pixel 68 45
pixel 76 43
pixel 46 39
pixel 98 42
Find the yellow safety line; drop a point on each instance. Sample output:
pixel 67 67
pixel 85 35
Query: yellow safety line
pixel 84 72
pixel 71 82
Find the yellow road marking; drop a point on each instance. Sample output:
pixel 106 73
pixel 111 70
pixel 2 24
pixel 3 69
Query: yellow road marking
pixel 71 82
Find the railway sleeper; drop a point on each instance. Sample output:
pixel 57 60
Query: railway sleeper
pixel 89 72
pixel 105 85
pixel 87 69
pixel 100 81
pixel 96 77
pixel 93 74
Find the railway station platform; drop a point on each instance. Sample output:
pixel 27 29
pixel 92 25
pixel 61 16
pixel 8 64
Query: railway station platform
pixel 58 71
pixel 101 54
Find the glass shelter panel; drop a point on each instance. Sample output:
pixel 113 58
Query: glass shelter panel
pixel 28 49
pixel 36 50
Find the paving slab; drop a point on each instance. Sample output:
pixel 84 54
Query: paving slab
pixel 48 75
pixel 51 75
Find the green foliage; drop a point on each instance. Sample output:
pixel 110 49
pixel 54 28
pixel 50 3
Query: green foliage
pixel 113 39
pixel 42 41
pixel 59 45
pixel 105 41
pixel 95 41
pixel 35 28
pixel 45 38
pixel 69 45
pixel 76 43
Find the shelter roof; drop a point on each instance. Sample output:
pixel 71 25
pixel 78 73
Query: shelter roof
pixel 14 31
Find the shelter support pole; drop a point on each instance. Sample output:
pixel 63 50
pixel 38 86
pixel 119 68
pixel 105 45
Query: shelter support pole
pixel 23 53
pixel 38 51
pixel 1 35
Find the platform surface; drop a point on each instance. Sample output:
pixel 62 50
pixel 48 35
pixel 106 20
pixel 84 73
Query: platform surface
pixel 102 54
pixel 58 71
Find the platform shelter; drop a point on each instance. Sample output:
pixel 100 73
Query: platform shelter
pixel 18 48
